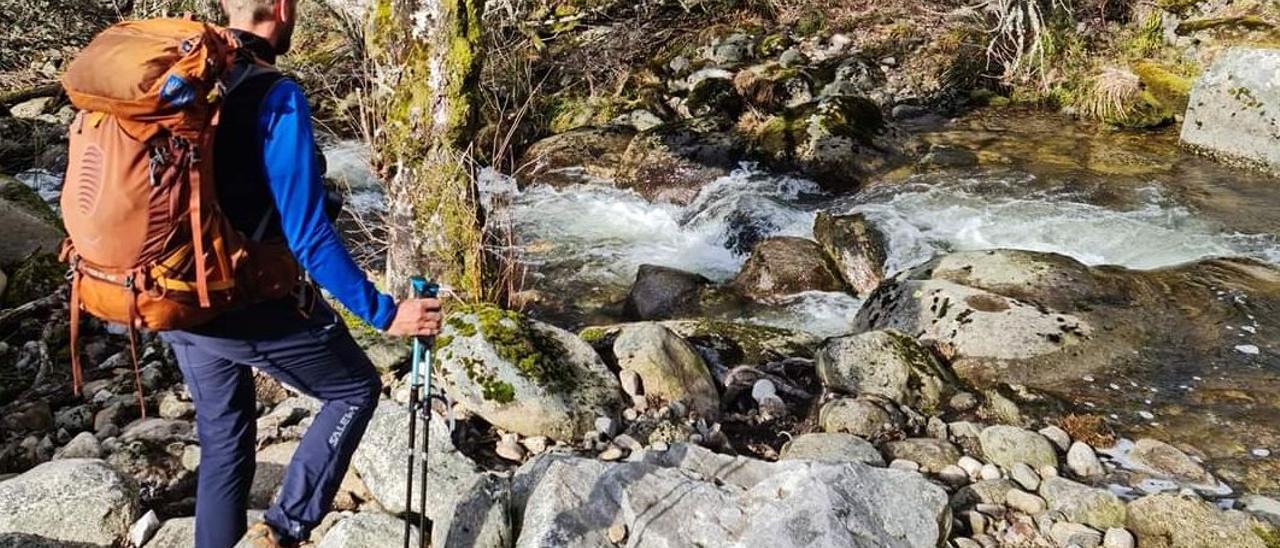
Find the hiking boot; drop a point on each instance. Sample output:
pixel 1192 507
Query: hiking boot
pixel 262 535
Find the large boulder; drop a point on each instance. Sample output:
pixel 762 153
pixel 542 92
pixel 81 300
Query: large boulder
pixel 1233 109
pixel 863 417
pixel 26 223
pixel 858 249
pixel 785 265
pixel 662 293
pixel 672 162
pixel 839 142
pixel 367 529
pixel 1046 322
pixel 480 518
pixel 381 459
pixel 82 502
pixel 583 155
pixel 888 364
pixel 670 369
pixel 1171 521
pixel 723 500
pixel 832 447
pixel 523 375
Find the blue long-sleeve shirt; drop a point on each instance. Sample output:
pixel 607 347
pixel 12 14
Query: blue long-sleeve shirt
pixel 294 178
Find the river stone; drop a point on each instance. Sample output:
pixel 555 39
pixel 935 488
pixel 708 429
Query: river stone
pixel 525 376
pixel 578 156
pixel 367 529
pixel 1074 534
pixel 1008 445
pixel 1083 504
pixel 1169 521
pixel 860 417
pixel 713 97
pixel 268 474
pixel 1265 508
pixel 670 369
pixel 1233 107
pixel 994 491
pixel 25 221
pixel 84 446
pixel 1169 461
pixel 673 162
pixel 888 364
pixel 1025 502
pixel 723 500
pixel 480 518
pixel 1117 537
pixel 931 454
pixel 786 265
pixel 157 431
pixel 828 447
pixel 661 293
pixel 70 501
pixel 380 462
pixel 858 248
pixel 1083 461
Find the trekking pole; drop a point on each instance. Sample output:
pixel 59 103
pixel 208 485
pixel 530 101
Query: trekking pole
pixel 419 402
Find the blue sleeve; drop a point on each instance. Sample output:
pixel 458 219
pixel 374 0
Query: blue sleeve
pixel 288 147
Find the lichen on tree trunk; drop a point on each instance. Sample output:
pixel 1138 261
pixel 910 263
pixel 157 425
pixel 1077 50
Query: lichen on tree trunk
pixel 427 59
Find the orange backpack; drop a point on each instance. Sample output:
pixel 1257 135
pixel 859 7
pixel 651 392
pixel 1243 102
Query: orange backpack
pixel 149 246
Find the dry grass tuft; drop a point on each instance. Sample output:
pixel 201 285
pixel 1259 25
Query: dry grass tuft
pixel 1091 429
pixel 1113 94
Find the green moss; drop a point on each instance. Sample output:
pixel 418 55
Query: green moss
pixel 1238 23
pixel 592 335
pixel 26 198
pixel 1270 537
pixel 443 341
pixel 38 276
pixel 1170 89
pixel 537 356
pixel 491 388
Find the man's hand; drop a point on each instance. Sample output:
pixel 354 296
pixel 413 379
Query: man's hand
pixel 416 317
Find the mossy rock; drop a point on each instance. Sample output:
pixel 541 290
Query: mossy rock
pixel 17 193
pixel 733 342
pixel 38 276
pixel 387 353
pixel 714 97
pixel 524 376
pixel 1170 89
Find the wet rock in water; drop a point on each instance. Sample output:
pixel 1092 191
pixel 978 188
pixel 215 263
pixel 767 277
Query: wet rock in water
pixel 672 162
pixel 888 364
pixel 828 447
pixel 28 224
pixel 941 156
pixel 1083 504
pixel 784 266
pixel 1231 113
pixel 480 518
pixel 1083 461
pixel 931 454
pixel 1170 462
pixel 71 501
pixel 380 462
pixel 1009 445
pixel 525 376
pixel 578 156
pixel 858 248
pixel 725 500
pixel 860 417
pixel 670 369
pixel 1161 521
pixel 367 529
pixel 662 293
pixel 84 446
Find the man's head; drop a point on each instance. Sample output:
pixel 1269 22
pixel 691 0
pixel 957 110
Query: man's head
pixel 270 19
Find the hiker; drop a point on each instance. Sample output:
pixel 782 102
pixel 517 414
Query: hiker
pixel 266 163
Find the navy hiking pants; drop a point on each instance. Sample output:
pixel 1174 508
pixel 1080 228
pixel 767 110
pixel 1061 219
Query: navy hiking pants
pixel 322 361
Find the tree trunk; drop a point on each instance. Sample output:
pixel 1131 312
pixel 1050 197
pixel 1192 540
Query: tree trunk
pixel 427 59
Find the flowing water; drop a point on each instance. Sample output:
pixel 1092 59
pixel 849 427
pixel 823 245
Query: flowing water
pixel 1042 183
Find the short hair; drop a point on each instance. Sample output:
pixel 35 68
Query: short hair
pixel 257 10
